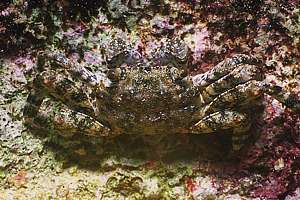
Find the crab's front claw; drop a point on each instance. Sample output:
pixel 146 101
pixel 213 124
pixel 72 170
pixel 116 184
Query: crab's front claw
pixel 42 113
pixel 58 118
pixel 58 61
pixel 55 84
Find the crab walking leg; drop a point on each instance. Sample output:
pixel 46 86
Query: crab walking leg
pixel 236 97
pixel 32 106
pixel 223 68
pixel 243 94
pixel 223 120
pixel 57 117
pixel 288 99
pixel 240 75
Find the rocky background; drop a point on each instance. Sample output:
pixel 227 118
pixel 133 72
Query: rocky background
pixel 44 166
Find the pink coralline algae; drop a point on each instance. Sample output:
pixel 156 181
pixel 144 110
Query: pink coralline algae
pixel 25 64
pixel 201 43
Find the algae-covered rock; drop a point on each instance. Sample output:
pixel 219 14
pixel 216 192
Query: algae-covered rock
pixel 37 165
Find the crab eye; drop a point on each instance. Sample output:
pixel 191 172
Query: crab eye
pixel 173 51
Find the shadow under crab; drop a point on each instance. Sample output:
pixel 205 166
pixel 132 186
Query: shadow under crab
pixel 149 93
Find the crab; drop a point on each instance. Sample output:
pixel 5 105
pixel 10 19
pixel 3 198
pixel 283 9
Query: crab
pixel 139 92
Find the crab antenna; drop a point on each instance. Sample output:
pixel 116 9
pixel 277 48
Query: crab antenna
pixel 285 97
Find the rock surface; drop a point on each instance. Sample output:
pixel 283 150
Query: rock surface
pixel 43 166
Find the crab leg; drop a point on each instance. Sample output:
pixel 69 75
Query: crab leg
pixel 32 106
pixel 235 97
pixel 214 118
pixel 240 75
pixel 223 120
pixel 58 118
pixel 247 92
pixel 55 84
pixel 60 87
pixel 75 69
pixel 286 98
pixel 222 69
